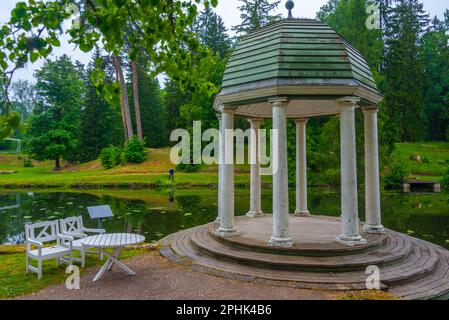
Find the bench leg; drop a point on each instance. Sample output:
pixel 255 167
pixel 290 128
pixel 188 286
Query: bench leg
pixel 83 258
pixel 39 269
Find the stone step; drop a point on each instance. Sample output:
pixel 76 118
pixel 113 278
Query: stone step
pixel 395 249
pixel 375 241
pixel 434 286
pixel 423 273
pixel 422 261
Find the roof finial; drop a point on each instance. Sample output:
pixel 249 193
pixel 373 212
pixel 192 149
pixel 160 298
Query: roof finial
pixel 290 5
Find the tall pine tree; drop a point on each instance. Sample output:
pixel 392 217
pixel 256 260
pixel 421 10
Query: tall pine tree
pixel 212 32
pixel 152 109
pixel 256 14
pixel 101 123
pixel 435 57
pixel 406 21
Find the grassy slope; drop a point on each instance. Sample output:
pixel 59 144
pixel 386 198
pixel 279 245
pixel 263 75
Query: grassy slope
pixel 436 152
pixel 153 172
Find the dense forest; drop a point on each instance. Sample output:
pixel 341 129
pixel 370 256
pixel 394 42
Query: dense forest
pixel 63 114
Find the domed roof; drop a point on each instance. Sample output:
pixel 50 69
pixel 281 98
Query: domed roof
pixel 296 57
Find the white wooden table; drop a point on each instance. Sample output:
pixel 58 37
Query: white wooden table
pixel 116 241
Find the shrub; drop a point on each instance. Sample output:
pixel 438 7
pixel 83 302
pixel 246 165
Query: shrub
pixel 395 176
pixel 110 157
pixel 188 168
pixel 27 163
pixel 136 151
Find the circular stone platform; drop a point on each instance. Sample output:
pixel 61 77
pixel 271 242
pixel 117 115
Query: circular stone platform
pixel 409 268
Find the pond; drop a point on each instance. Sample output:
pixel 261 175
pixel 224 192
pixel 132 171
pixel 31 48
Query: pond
pixel 156 214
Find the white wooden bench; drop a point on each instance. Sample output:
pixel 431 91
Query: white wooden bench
pixel 74 227
pixel 37 235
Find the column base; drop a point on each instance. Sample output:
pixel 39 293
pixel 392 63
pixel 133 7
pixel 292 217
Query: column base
pixel 351 241
pixel 255 214
pixel 340 218
pixel 281 242
pixel 373 229
pixel 226 232
pixel 218 220
pixel 302 213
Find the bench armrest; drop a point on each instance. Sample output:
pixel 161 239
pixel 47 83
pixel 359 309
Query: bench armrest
pixel 74 234
pixel 38 244
pixel 35 242
pixel 94 230
pixel 67 238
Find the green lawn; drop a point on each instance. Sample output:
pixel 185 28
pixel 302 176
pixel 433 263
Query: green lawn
pixel 14 281
pixel 434 159
pixel 153 172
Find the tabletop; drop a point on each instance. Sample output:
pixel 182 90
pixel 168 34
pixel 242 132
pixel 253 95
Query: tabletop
pixel 112 240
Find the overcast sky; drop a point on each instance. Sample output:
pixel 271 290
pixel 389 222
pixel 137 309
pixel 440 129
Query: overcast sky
pixel 227 9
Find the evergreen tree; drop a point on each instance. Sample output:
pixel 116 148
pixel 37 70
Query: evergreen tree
pixel 54 129
pixel 100 121
pixel 256 14
pixel 174 98
pixel 152 109
pixel 348 18
pixel 435 57
pixel 327 9
pixel 405 23
pixel 212 32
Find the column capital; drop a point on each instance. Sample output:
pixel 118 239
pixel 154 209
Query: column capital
pixel 301 120
pixel 370 109
pixel 219 115
pixel 279 101
pixel 226 109
pixel 348 101
pixel 255 120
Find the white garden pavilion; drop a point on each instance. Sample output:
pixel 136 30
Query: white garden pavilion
pixel 294 70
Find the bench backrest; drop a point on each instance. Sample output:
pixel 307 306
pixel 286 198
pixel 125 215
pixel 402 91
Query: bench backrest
pixel 72 225
pixel 42 231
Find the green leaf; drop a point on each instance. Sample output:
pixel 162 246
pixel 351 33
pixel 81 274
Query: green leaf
pixel 34 56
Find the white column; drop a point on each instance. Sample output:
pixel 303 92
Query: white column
pixel 301 168
pixel 227 227
pixel 349 207
pixel 281 236
pixel 220 161
pixel 372 184
pixel 256 195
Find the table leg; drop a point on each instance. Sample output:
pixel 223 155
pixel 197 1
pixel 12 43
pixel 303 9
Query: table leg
pixel 116 254
pixel 103 268
pixel 112 259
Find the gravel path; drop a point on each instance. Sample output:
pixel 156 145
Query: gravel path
pixel 158 278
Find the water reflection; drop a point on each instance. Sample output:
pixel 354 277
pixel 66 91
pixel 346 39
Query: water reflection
pixel 156 214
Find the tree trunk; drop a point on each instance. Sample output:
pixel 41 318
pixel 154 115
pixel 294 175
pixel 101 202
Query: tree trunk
pixel 136 101
pixel 122 111
pixel 127 113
